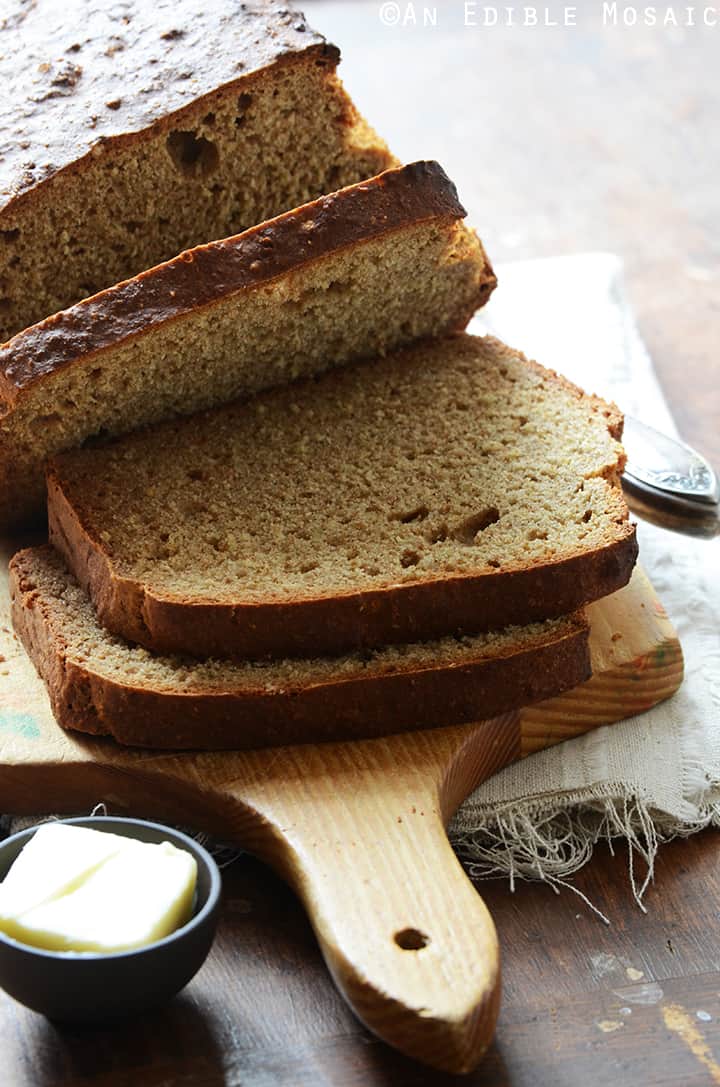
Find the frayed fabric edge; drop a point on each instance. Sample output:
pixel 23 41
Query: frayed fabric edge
pixel 520 842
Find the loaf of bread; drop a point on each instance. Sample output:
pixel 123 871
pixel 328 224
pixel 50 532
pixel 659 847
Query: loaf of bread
pixel 452 486
pixel 348 276
pixel 99 684
pixel 131 131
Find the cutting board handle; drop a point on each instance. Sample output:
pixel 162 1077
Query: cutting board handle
pixel 359 832
pixel 408 940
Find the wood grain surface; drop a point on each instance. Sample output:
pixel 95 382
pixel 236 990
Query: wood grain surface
pixel 560 140
pixel 263 1010
pixel 356 828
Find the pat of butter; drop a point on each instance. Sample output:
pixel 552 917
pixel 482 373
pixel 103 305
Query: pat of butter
pixel 75 889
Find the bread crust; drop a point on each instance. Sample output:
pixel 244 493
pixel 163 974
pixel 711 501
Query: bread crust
pixel 329 625
pixel 346 708
pixel 484 600
pixel 126 69
pixel 335 624
pixel 206 275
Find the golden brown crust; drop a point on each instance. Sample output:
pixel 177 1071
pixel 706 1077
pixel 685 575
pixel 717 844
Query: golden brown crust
pixel 204 276
pixel 89 74
pixel 331 625
pixel 475 601
pixel 347 708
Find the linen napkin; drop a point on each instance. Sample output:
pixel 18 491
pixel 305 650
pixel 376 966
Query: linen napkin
pixel 657 775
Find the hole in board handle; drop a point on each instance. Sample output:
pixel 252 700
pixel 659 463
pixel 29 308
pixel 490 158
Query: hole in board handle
pixel 411 939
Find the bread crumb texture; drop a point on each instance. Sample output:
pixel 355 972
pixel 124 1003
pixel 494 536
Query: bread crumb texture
pixel 73 632
pixel 453 457
pixel 133 131
pixel 420 280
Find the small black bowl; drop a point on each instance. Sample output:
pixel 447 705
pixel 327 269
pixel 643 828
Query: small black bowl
pixel 96 988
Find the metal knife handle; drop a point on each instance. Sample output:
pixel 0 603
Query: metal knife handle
pixel 669 466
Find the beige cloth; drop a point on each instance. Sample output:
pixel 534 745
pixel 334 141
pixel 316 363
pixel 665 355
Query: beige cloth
pixel 657 775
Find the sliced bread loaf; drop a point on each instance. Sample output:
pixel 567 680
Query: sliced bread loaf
pixel 450 486
pixel 134 130
pixel 350 275
pixel 99 684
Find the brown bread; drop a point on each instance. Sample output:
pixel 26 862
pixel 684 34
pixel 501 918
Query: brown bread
pixel 348 276
pixel 134 130
pixel 99 684
pixel 450 486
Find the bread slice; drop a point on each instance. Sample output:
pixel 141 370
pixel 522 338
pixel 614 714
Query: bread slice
pixel 99 684
pixel 133 131
pixel 452 486
pixel 347 276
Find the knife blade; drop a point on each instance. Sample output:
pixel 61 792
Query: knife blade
pixel 669 468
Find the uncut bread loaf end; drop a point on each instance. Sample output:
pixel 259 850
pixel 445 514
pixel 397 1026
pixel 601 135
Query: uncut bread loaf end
pixel 134 130
pixel 349 276
pixel 451 486
pixel 100 684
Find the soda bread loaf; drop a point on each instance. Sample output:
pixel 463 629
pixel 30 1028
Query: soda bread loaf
pixel 131 131
pixel 348 276
pixel 451 486
pixel 99 684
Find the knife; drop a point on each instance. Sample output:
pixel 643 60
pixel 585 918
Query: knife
pixel 668 474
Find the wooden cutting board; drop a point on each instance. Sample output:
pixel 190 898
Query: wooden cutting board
pixel 356 828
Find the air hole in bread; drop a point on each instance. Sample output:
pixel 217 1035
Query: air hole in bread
pixel 193 155
pixel 308 567
pixel 10 236
pixel 468 529
pixel 244 103
pixel 587 515
pixel 333 172
pixel 209 120
pixel 196 474
pixel 537 534
pixel 417 514
pixel 437 534
pixel 409 558
pixel 48 420
pixel 339 286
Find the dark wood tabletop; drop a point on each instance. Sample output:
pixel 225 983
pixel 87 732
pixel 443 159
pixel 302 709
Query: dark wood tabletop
pixel 560 139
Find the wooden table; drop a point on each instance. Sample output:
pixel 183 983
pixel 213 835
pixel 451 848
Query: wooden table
pixel 560 140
